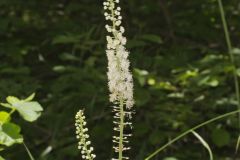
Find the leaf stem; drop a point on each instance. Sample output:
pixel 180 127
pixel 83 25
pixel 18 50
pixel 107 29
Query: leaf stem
pixel 190 131
pixel 12 111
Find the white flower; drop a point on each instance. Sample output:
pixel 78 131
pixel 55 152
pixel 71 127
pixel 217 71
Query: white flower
pixel 120 83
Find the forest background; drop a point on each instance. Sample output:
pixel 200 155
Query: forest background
pixel 179 58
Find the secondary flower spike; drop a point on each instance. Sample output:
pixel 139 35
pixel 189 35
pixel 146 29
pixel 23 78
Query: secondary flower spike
pixel 81 132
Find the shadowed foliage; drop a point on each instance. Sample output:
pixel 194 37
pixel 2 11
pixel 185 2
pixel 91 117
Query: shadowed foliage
pixel 181 67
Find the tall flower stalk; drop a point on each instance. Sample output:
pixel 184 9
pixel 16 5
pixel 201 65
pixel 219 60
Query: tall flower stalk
pixel 120 80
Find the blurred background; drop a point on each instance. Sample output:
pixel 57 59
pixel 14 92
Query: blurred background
pixel 182 75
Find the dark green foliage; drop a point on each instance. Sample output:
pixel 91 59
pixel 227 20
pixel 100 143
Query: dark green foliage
pixel 182 74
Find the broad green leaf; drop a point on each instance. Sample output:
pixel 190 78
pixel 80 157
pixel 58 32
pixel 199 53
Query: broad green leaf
pixel 10 134
pixel 4 117
pixel 12 99
pixel 204 143
pixel 30 97
pixel 220 137
pixel 30 111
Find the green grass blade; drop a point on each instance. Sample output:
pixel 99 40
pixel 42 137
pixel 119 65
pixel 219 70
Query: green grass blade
pixel 28 151
pixel 232 58
pixel 189 131
pixel 204 143
pixel 238 143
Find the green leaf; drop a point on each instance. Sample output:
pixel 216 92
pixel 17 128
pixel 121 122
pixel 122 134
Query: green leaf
pixel 220 137
pixel 6 105
pixel 12 99
pixel 30 111
pixel 1 158
pixel 10 134
pixel 59 68
pixel 209 81
pixel 4 117
pixel 30 97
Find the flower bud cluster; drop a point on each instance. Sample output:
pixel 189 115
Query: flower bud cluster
pixel 83 137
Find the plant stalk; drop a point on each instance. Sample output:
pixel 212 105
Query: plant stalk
pixel 121 127
pixel 232 58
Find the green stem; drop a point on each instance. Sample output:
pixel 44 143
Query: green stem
pixel 11 112
pixel 121 127
pixel 28 151
pixel 232 58
pixel 189 131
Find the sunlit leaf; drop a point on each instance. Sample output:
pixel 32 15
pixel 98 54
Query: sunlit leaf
pixel 1 158
pixel 12 99
pixel 30 111
pixel 4 117
pixel 10 134
pixel 30 97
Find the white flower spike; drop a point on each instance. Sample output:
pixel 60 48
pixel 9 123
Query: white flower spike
pixel 120 81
